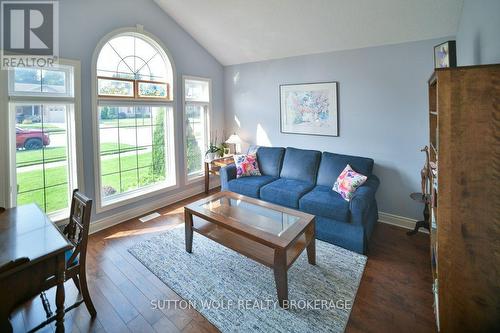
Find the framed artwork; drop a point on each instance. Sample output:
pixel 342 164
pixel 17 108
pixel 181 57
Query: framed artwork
pixel 115 87
pixel 445 55
pixel 310 109
pixel 152 89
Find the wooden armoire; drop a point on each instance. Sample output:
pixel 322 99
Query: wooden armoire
pixel 464 123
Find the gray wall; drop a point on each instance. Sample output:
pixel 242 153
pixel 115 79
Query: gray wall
pixel 478 36
pixel 84 23
pixel 382 110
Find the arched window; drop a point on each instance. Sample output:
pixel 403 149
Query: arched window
pixel 134 94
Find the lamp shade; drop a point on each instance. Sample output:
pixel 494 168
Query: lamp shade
pixel 234 139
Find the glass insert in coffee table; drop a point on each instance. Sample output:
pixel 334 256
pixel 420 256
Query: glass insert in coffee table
pixel 257 216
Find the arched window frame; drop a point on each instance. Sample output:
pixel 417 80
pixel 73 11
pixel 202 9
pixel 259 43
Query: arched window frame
pixel 171 183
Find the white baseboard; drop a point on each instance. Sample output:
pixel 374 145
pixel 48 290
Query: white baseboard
pixel 126 215
pixel 398 221
pixel 109 221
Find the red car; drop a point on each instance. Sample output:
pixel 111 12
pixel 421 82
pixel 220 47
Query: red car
pixel 31 139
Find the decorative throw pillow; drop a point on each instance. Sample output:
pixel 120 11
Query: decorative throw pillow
pixel 347 182
pixel 246 165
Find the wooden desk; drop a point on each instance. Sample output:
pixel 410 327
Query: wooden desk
pixel 28 236
pixel 213 168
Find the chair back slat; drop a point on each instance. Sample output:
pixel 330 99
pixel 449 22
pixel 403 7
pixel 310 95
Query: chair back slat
pixel 77 230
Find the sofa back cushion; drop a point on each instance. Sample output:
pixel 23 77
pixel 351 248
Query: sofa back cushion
pixel 301 164
pixel 332 165
pixel 270 160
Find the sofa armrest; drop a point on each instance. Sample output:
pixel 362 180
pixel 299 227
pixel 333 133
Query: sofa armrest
pixel 363 199
pixel 226 174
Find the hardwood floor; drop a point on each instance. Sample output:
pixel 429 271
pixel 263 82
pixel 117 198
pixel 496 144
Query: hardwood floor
pixel 394 295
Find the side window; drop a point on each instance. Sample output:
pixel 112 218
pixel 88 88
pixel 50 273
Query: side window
pixel 42 105
pixel 197 92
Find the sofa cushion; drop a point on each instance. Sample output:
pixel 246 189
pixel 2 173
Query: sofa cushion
pixel 249 186
pixel 347 183
pixel 270 160
pixel 285 192
pixel 332 165
pixel 246 165
pixel 300 164
pixel 322 201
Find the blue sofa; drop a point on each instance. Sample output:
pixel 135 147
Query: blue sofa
pixel 303 180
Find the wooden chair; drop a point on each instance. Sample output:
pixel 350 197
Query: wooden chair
pixel 77 232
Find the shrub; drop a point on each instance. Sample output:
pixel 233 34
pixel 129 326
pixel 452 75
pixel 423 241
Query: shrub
pixel 158 163
pixel 193 151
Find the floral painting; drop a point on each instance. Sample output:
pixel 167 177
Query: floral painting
pixel 309 109
pixel 118 88
pixel 152 89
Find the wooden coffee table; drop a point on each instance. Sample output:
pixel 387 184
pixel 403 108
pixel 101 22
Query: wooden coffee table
pixel 272 235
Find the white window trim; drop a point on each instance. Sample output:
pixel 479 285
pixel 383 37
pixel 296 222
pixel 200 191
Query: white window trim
pixel 190 179
pixel 139 194
pixel 8 153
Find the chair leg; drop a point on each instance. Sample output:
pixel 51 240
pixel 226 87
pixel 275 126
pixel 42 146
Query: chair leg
pixel 86 296
pixel 77 282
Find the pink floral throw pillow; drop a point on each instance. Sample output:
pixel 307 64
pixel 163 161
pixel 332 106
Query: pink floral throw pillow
pixel 246 165
pixel 347 183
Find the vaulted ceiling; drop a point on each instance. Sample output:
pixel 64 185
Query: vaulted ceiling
pixel 240 31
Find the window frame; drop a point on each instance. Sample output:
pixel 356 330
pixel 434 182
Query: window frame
pixel 24 94
pixel 139 194
pixel 74 134
pixel 189 179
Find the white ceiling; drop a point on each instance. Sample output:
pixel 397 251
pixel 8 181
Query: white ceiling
pixel 240 31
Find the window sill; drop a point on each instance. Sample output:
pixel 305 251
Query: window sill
pixel 194 178
pixel 134 196
pixel 59 217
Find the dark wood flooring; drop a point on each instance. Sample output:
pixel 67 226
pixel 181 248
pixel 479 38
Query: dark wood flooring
pixel 394 295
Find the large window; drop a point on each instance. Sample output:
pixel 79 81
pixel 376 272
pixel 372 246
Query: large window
pixel 196 115
pixel 134 113
pixel 42 105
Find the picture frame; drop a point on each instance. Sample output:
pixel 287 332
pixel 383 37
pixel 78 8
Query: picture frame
pixel 445 55
pixel 152 90
pixel 309 109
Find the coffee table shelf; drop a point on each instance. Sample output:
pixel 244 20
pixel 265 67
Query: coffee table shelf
pixel 249 248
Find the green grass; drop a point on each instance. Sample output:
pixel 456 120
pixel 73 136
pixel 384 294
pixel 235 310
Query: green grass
pixel 125 122
pixel 46 127
pixel 56 154
pixel 57 197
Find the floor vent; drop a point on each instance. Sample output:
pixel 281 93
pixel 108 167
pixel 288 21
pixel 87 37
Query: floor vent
pixel 149 217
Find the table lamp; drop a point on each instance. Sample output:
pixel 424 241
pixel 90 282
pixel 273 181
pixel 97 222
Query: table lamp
pixel 236 141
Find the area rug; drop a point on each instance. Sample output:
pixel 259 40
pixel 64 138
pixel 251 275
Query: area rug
pixel 237 294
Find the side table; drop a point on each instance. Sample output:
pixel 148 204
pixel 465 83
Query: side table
pixel 213 167
pixel 425 199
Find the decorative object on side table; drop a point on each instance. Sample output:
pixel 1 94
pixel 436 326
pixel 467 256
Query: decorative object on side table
pixel 309 108
pixel 445 55
pixel 212 153
pixel 235 140
pixel 214 150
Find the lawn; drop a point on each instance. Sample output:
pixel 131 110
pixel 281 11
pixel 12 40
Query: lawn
pixel 57 154
pixel 126 122
pixel 46 127
pixel 57 196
